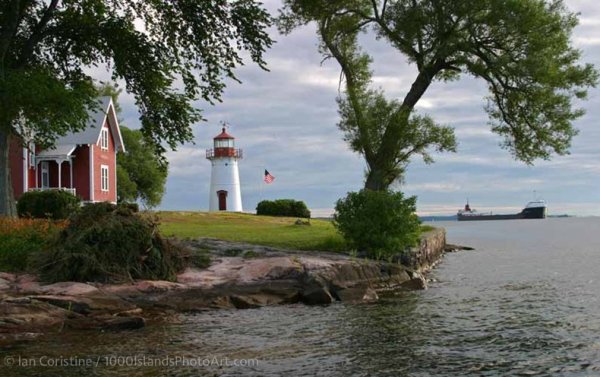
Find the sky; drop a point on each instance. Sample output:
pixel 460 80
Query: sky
pixel 285 122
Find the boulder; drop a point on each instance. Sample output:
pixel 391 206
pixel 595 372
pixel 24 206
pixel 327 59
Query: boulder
pixel 123 323
pixel 8 276
pixel 106 323
pixel 417 282
pixel 4 284
pixel 69 303
pixel 246 302
pixel 157 286
pixel 450 248
pixel 68 288
pixel 23 315
pixel 316 295
pixel 358 293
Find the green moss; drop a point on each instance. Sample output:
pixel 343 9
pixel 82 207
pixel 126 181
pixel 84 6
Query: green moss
pixel 249 254
pixel 199 258
pixel 426 228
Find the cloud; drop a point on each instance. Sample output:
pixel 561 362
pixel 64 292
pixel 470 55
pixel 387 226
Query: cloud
pixel 285 120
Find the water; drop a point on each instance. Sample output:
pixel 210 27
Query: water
pixel 526 302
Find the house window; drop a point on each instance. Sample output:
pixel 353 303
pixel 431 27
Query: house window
pixel 104 177
pixel 104 139
pixel 45 175
pixel 31 148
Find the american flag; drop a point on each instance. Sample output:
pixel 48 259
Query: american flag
pixel 268 177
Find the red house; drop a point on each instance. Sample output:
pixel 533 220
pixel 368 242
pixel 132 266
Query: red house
pixel 84 163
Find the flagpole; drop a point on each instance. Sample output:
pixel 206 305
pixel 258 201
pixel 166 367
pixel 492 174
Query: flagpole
pixel 260 191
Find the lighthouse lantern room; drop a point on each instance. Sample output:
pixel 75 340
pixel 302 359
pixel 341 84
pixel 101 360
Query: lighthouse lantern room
pixel 225 193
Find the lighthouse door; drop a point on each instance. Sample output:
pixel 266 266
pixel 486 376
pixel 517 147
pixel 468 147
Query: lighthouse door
pixel 222 200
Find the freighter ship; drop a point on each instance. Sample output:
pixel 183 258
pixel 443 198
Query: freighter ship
pixel 533 210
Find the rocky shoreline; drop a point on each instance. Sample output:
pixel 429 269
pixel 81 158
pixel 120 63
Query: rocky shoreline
pixel 240 276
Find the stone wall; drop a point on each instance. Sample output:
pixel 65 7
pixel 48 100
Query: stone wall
pixel 428 253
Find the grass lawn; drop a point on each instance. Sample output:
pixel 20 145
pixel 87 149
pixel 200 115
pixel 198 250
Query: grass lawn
pixel 261 230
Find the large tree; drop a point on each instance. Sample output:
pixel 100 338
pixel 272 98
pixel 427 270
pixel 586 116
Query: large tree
pixel 366 115
pixel 168 53
pixel 522 49
pixel 141 174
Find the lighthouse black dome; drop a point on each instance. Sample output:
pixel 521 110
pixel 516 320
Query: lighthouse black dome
pixel 223 135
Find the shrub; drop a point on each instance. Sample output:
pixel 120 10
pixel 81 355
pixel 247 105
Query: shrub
pixel 134 207
pixel 283 207
pixel 20 238
pixel 382 223
pixel 51 204
pixel 104 242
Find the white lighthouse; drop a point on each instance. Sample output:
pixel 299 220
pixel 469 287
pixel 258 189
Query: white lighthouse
pixel 225 193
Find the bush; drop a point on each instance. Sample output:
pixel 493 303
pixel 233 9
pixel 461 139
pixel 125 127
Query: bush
pixel 283 207
pixel 382 223
pixel 134 207
pixel 48 204
pixel 20 238
pixel 109 243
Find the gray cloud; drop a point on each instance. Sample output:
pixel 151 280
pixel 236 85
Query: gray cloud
pixel 285 120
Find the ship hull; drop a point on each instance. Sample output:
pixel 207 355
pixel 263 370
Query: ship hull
pixel 527 213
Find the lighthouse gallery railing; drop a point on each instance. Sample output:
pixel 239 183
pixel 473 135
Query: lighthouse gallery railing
pixel 224 152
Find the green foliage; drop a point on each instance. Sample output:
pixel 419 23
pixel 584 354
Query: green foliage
pixel 283 207
pixel 15 251
pixel 141 174
pixel 382 223
pixel 199 258
pixel 522 49
pixel 426 228
pixel 104 242
pixel 22 238
pixel 168 54
pixel 133 207
pixel 52 204
pixel 126 188
pixel 380 119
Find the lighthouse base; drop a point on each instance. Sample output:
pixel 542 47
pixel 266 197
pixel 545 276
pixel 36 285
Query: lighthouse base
pixel 225 192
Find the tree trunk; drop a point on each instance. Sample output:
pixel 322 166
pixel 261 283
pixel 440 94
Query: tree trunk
pixel 377 180
pixel 7 199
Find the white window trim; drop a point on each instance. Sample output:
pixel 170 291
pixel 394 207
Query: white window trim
pixel 25 170
pixel 31 155
pixel 104 178
pixel 104 139
pixel 45 171
pixel 92 174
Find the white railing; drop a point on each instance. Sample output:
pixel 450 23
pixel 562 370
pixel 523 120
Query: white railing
pixel 69 190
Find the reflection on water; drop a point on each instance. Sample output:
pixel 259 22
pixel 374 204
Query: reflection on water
pixel 525 303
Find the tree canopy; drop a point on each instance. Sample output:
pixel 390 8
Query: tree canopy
pixel 522 49
pixel 141 174
pixel 168 54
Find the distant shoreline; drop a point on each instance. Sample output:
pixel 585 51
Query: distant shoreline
pixel 454 218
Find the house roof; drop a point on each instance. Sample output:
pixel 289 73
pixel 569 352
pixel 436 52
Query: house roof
pixel 60 151
pixel 91 134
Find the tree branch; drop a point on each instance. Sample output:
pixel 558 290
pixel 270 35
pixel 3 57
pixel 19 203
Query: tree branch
pixel 14 15
pixel 350 85
pixel 38 33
